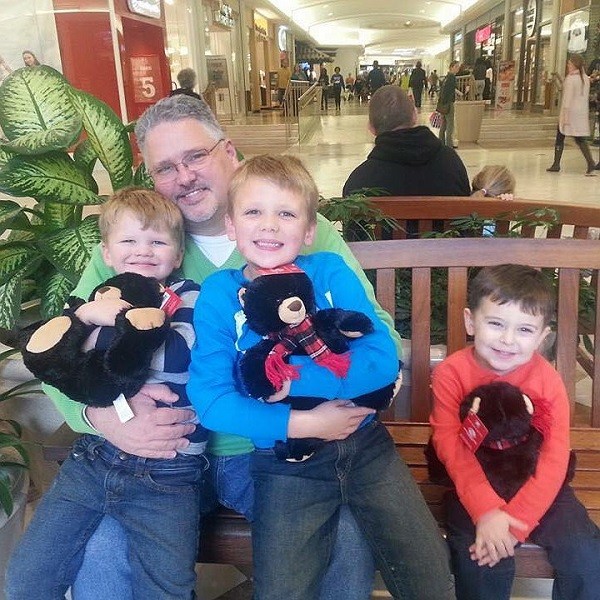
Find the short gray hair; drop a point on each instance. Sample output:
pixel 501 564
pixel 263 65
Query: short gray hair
pixel 391 108
pixel 177 108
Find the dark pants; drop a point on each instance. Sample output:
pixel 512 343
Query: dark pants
pixel 337 96
pixel 324 98
pixel 567 533
pixel 417 93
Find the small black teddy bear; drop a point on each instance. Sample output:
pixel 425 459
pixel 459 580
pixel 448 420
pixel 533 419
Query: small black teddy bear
pixel 497 426
pixel 54 352
pixel 281 307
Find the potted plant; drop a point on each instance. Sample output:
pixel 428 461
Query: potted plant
pixel 53 136
pixel 14 462
pixel 358 216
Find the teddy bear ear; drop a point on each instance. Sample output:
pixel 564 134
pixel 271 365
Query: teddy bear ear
pixel 107 291
pixel 528 403
pixel 475 406
pixel 241 296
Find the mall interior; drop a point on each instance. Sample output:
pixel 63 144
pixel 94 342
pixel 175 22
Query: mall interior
pixel 128 54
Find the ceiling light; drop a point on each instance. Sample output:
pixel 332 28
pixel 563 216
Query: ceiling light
pixel 330 14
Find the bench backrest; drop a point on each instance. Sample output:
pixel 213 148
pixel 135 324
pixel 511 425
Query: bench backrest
pixel 570 259
pixel 572 221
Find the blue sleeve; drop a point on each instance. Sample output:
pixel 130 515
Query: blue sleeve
pixel 211 387
pixel 373 357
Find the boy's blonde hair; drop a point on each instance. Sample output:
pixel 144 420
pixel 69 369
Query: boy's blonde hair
pixel 494 180
pixel 285 172
pixel 151 208
pixel 523 285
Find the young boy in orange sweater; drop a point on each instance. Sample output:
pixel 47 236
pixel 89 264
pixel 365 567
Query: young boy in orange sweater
pixel 508 315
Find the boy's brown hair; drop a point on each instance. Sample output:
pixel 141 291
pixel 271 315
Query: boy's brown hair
pixel 285 172
pixel 151 208
pixel 523 285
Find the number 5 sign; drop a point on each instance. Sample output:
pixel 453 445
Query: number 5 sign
pixel 147 85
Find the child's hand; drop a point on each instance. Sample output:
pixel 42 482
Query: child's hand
pixel 284 392
pixel 493 539
pixel 101 312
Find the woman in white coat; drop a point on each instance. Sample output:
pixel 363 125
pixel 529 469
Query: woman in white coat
pixel 574 113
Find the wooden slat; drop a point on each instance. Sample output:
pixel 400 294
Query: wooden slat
pixel 421 335
pixel 457 300
pixel 595 417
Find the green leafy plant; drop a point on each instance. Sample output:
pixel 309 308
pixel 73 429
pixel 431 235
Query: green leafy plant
pixel 53 136
pixel 357 214
pixel 13 453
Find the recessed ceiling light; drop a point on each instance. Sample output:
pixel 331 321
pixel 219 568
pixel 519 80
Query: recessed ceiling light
pixel 330 14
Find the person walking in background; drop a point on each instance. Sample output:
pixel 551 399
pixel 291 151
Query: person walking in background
pixel 30 59
pixel 324 83
pixel 298 74
pixel 283 78
pixel 187 82
pixel 445 104
pixel 434 79
pixel 479 70
pixel 376 78
pixel 337 82
pixel 416 82
pixel 574 118
pixel 350 85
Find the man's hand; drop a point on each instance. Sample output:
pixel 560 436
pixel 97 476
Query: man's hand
pixel 154 432
pixel 493 539
pixel 332 420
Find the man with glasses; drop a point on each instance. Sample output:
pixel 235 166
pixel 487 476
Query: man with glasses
pixel 191 162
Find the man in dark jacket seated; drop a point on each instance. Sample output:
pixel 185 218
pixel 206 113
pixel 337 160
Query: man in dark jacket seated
pixel 408 159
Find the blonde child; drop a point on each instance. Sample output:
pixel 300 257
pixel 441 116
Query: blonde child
pixel 272 215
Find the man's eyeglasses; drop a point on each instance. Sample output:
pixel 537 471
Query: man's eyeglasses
pixel 194 161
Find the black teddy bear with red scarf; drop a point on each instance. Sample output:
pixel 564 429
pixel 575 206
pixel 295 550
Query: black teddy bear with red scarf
pixel 281 307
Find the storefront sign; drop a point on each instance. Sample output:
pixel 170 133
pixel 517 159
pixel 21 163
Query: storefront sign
pixel 483 34
pixel 147 83
pixel 224 16
pixel 216 67
pixel 146 8
pixel 530 17
pixel 282 38
pixel 260 26
pixel 505 84
pixel 577 39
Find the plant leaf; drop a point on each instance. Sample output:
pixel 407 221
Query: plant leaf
pixel 85 156
pixel 5 155
pixel 58 216
pixel 16 257
pixel 107 136
pixel 70 249
pixel 51 177
pixel 35 113
pixel 142 178
pixel 12 217
pixel 6 501
pixel 54 291
pixel 10 301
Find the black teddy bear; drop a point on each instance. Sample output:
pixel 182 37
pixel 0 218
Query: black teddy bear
pixel 54 352
pixel 281 307
pixel 508 452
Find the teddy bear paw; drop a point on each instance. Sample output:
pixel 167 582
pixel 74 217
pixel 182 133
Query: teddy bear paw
pixel 145 318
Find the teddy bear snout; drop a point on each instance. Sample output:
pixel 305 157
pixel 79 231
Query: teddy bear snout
pixel 295 306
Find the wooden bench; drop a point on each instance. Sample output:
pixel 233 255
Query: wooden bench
pixel 226 537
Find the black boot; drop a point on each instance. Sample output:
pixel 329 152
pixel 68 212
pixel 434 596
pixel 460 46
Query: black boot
pixel 555 168
pixel 585 150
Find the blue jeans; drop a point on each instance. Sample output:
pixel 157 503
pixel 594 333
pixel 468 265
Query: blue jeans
pixel 349 575
pixel 447 128
pixel 296 511
pixel 570 537
pixel 156 502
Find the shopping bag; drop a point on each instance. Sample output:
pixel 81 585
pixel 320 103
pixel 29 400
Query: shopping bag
pixel 436 119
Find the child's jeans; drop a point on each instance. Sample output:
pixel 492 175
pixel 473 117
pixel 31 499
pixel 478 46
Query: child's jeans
pixel 349 575
pixel 297 506
pixel 570 537
pixel 155 501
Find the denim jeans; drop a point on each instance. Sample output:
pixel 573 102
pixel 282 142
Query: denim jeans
pixel 447 128
pixel 296 510
pixel 156 502
pixel 570 537
pixel 349 575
